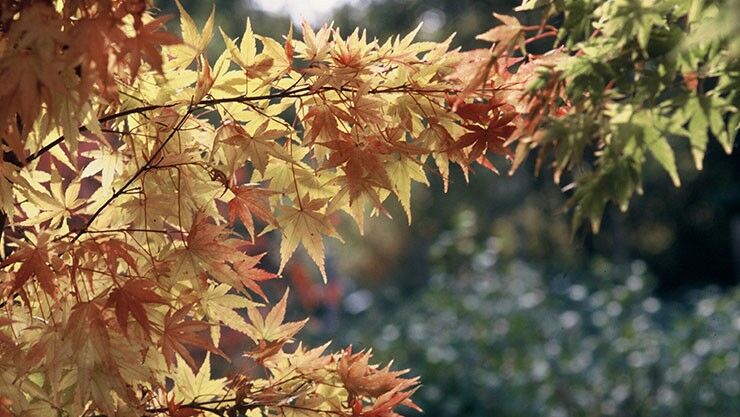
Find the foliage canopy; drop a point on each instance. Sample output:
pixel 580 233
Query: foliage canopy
pixel 129 159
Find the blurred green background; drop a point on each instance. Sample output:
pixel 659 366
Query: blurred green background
pixel 491 302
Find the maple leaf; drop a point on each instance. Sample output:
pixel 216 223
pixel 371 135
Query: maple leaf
pixel 368 110
pixel 87 330
pixel 258 146
pixel 305 225
pixel 246 268
pixel 178 332
pixel 278 54
pixel 130 299
pixel 56 206
pixel 95 356
pixel 491 138
pixel 363 166
pixel 106 161
pixel 209 250
pixel 194 42
pixel 438 138
pixel 180 410
pixel 270 333
pixel 361 378
pixel 5 341
pixel 35 263
pixel 196 386
pixel 251 201
pixel 321 123
pixel 145 46
pixel 401 173
pixel 506 36
pixel 205 79
pixel 478 112
pixel 302 359
pixel 112 250
pixel 315 45
pixel 383 406
pixel 220 306
pixel 245 54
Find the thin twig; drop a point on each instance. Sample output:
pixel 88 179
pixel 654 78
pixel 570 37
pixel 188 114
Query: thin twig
pixel 148 165
pixel 288 93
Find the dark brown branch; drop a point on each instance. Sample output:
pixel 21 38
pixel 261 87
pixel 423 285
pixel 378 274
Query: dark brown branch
pixel 3 219
pixel 288 93
pixel 228 410
pixel 103 119
pixel 203 406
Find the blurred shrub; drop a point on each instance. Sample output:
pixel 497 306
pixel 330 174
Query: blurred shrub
pixel 493 338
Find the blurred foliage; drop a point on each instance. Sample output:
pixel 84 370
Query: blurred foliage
pixel 495 338
pixel 641 80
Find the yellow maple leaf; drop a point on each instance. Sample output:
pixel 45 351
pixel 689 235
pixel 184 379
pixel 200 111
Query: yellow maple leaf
pixel 194 42
pixel 401 172
pixel 196 386
pixel 247 50
pixel 271 328
pixel 219 306
pixel 305 225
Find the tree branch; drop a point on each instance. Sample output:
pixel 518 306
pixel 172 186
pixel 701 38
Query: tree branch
pixel 148 165
pixel 288 93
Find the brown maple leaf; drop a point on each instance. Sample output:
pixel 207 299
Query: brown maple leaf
pixel 178 331
pixel 145 46
pixel 130 299
pixel 35 260
pixel 223 258
pixel 321 123
pixel 251 201
pixel 112 250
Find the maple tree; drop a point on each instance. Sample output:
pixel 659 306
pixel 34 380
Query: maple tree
pixel 129 160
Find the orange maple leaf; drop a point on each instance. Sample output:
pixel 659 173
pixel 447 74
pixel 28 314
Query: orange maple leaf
pixel 361 378
pixel 384 405
pixel 179 410
pixel 362 165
